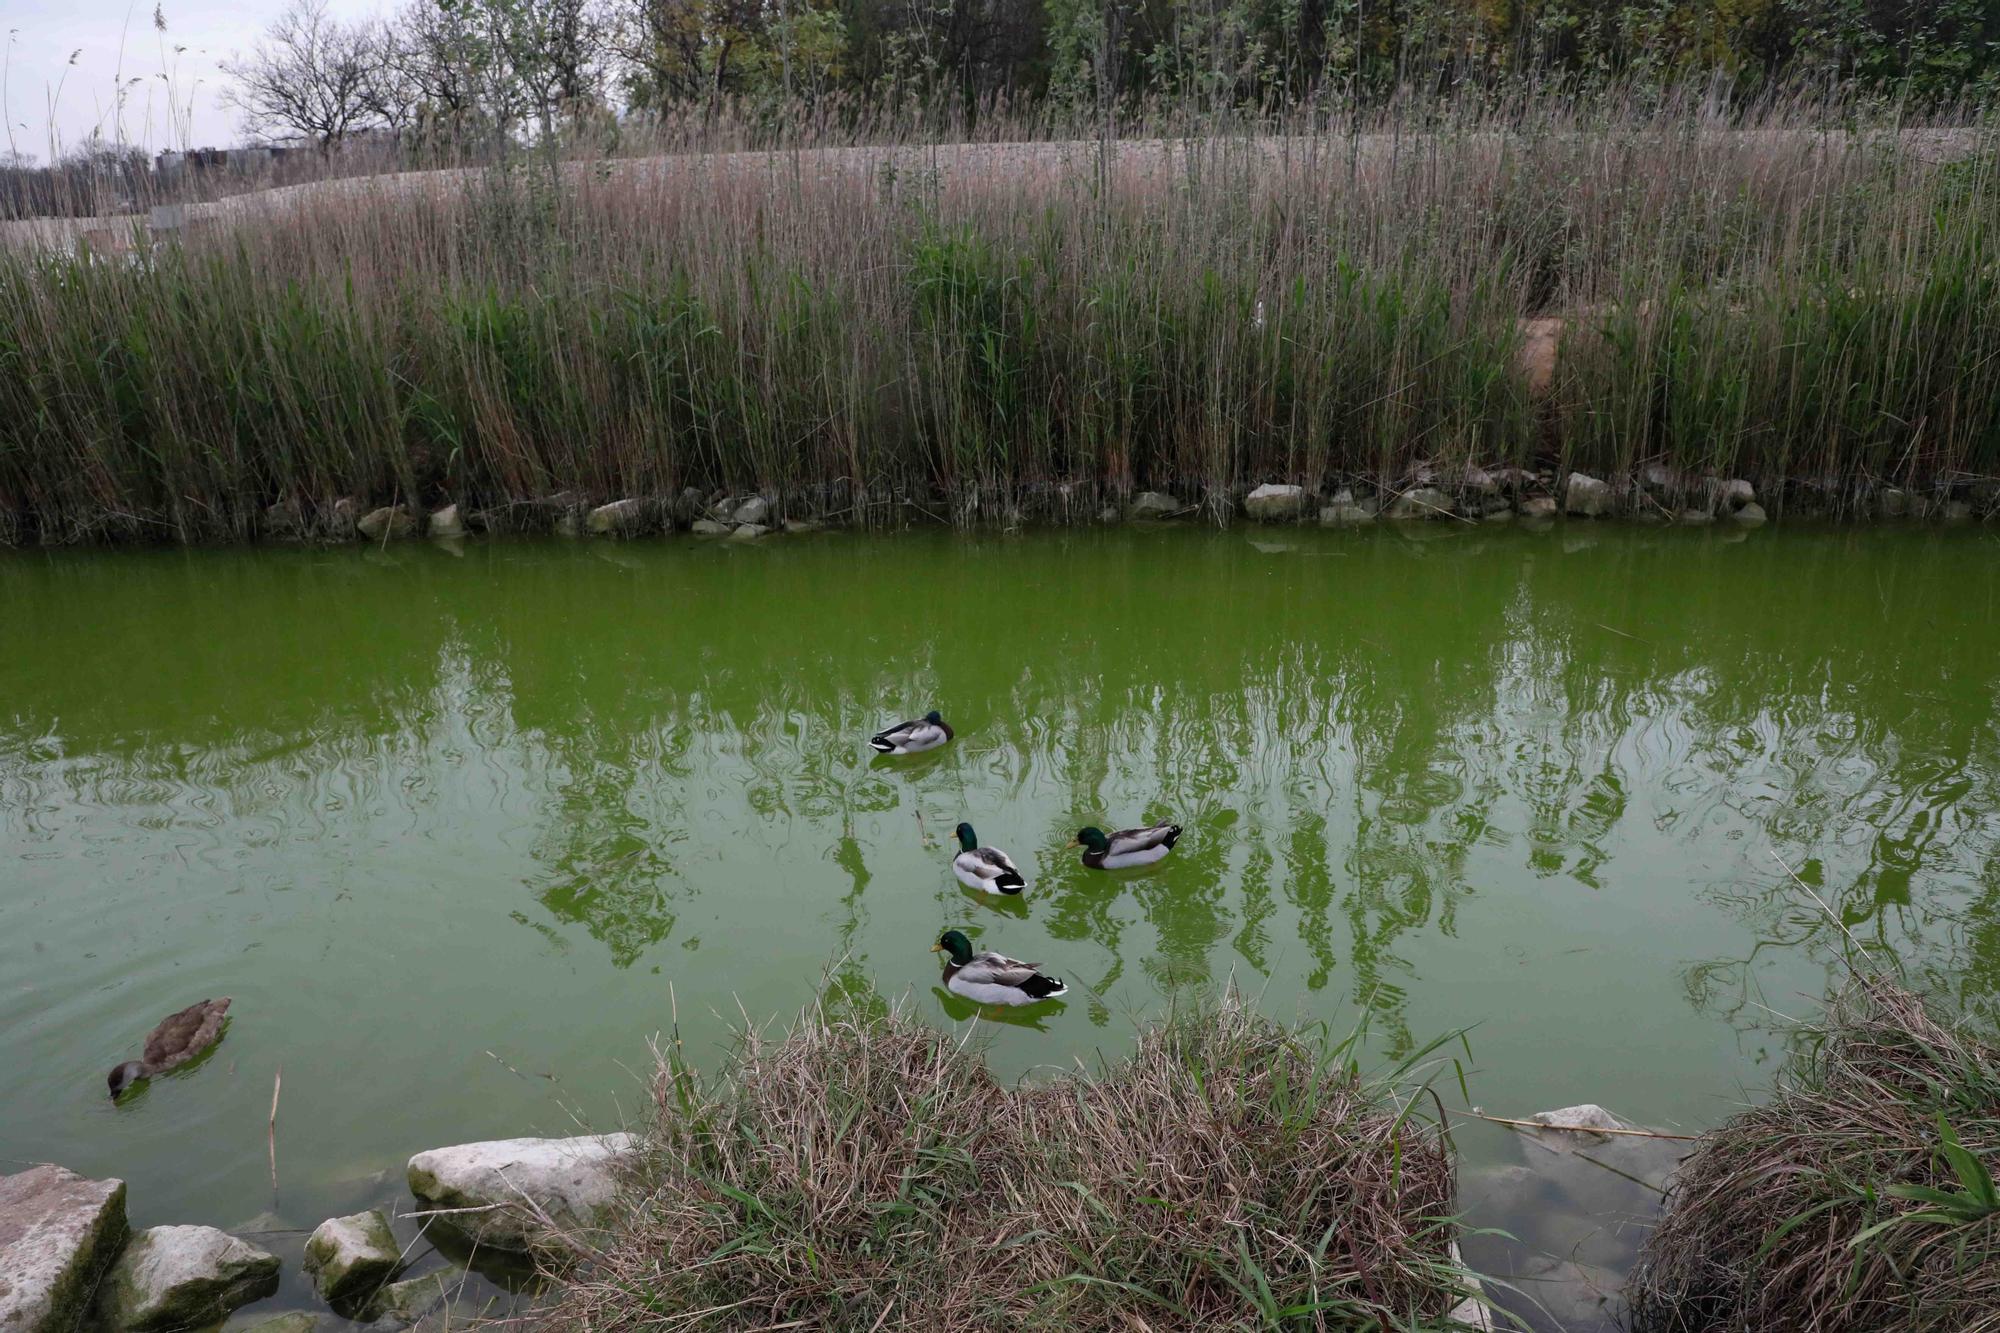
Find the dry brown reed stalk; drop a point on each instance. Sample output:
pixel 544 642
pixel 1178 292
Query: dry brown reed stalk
pixel 1795 1217
pixel 867 1173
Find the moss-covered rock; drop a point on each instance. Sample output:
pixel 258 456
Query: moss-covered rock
pixel 350 1258
pixel 184 1277
pixel 59 1232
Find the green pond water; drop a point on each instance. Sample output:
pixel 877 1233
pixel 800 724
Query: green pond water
pixel 459 830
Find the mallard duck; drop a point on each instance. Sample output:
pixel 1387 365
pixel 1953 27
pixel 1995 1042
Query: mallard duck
pixel 991 978
pixel 178 1039
pixel 987 869
pixel 1127 847
pixel 926 733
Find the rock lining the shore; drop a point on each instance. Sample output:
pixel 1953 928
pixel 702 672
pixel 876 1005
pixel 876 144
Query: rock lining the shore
pixel 349 1258
pixel 59 1233
pixel 517 1189
pixel 182 1277
pixel 1274 503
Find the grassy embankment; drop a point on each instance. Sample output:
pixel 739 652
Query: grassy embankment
pixel 1751 297
pixel 1861 1199
pixel 867 1173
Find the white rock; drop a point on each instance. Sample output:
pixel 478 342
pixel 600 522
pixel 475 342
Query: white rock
pixel 1346 515
pixel 748 532
pixel 349 1258
pixel 1423 502
pixel 617 517
pixel 1586 496
pixel 1733 494
pixel 796 526
pixel 708 527
pixel 1659 477
pixel 573 1181
pixel 447 523
pixel 403 1303
pixel 185 1277
pixel 58 1233
pixel 1154 504
pixel 754 510
pixel 1271 503
pixel 1751 515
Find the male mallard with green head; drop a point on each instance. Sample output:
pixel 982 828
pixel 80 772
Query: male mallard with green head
pixel 987 869
pixel 991 978
pixel 1127 847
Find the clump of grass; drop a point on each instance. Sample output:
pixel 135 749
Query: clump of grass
pixel 869 1173
pixel 1861 1198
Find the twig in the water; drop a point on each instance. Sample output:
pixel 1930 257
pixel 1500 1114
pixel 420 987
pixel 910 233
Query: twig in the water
pixel 1824 908
pixel 1586 1129
pixel 517 1073
pixel 1621 633
pixel 923 833
pixel 271 1139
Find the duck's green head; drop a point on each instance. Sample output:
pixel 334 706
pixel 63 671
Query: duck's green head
pixel 934 717
pixel 966 837
pixel 1093 838
pixel 954 943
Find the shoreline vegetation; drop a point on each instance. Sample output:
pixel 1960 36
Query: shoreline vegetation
pixel 866 1171
pixel 1658 292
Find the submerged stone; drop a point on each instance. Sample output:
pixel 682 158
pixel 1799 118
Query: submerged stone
pixel 1694 518
pixel 572 1181
pixel 185 1277
pixel 748 532
pixel 1955 511
pixel 349 1257
pixel 292 1321
pixel 59 1232
pixel 1348 515
pixel 708 527
pixel 1154 504
pixel 1538 506
pixel 1272 503
pixel 401 1304
pixel 1751 515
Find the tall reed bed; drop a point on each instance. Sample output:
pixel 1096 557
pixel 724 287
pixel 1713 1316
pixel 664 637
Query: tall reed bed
pixel 973 326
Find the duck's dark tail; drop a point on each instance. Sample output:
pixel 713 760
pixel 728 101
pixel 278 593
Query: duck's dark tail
pixel 1010 881
pixel 1173 834
pixel 881 744
pixel 1044 988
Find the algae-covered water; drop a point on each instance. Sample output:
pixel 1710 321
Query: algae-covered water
pixel 460 829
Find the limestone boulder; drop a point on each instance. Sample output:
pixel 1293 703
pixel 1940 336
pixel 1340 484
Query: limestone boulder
pixel 1478 481
pixel 184 1277
pixel 1538 506
pixel 1274 503
pixel 350 1258
pixel 748 532
pixel 617 519
pixel 1154 504
pixel 515 1183
pixel 447 523
pixel 708 527
pixel 1585 496
pixel 1751 515
pixel 1345 514
pixel 754 511
pixel 59 1232
pixel 389 523
pixel 1422 502
pixel 401 1304
pixel 1733 494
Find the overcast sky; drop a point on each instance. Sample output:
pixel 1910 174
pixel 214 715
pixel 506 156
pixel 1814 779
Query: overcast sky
pixel 42 34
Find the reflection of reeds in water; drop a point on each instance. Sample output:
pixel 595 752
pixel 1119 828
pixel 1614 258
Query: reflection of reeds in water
pixel 1349 757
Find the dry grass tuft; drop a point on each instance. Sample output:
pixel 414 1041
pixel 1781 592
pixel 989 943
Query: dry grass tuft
pixel 1826 1210
pixel 868 1173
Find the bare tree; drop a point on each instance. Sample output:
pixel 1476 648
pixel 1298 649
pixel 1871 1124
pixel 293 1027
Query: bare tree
pixel 310 74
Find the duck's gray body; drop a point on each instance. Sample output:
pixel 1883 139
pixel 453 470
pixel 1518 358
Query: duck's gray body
pixel 913 737
pixel 988 870
pixel 991 978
